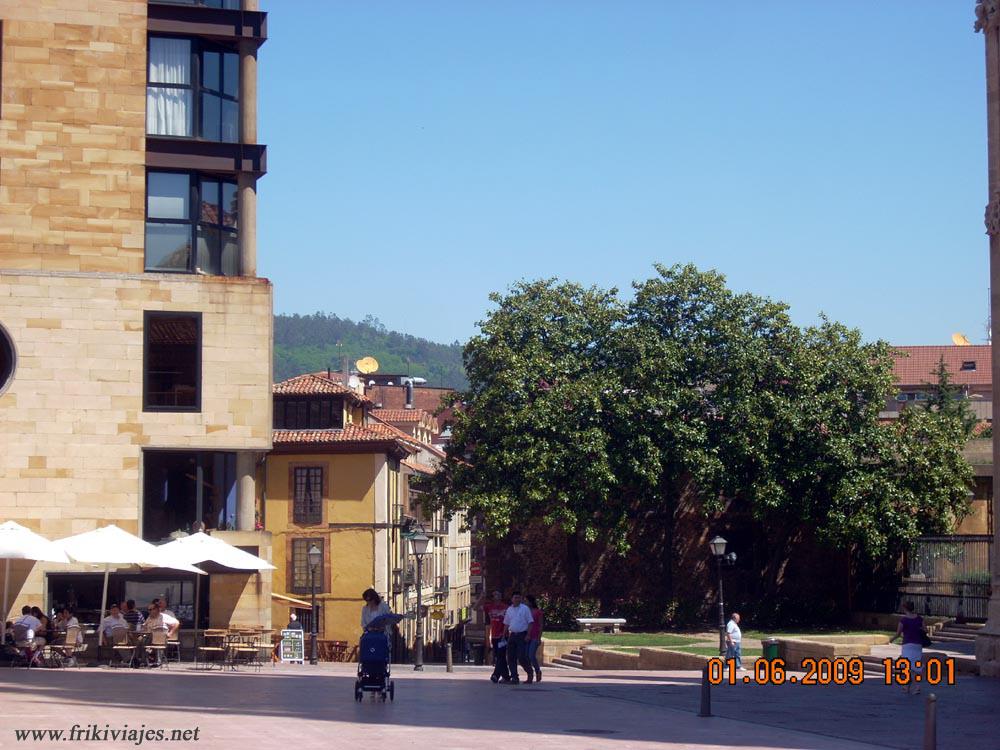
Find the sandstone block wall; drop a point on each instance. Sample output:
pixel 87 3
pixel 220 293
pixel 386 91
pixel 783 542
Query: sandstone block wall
pixel 72 135
pixel 74 428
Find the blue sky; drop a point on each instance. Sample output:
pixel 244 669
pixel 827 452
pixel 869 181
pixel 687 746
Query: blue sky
pixel 423 154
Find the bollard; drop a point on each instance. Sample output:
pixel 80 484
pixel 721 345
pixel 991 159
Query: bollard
pixel 930 723
pixel 447 658
pixel 706 694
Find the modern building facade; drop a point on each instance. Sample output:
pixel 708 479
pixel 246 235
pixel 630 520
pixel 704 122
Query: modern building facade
pixel 135 335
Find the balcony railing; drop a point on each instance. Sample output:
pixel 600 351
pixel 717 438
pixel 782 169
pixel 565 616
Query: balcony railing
pixel 441 583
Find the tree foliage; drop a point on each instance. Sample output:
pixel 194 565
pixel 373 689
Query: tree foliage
pixel 595 413
pixel 948 399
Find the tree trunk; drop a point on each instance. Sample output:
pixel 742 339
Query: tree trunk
pixel 573 565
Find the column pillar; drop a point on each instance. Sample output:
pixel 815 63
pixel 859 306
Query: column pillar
pixel 246 491
pixel 988 21
pixel 247 183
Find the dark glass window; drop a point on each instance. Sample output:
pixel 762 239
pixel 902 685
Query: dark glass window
pixel 185 490
pixel 308 501
pixel 8 360
pixel 969 365
pixel 185 211
pixel 308 414
pixel 172 362
pixel 192 90
pixel 300 583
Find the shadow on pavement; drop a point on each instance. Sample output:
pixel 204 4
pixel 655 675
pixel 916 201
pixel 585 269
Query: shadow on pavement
pixel 612 706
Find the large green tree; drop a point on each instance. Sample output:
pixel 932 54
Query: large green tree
pixel 596 414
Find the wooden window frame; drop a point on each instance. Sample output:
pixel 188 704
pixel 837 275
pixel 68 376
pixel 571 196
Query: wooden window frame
pixel 294 473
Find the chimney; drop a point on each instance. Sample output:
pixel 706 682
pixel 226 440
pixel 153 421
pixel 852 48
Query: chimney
pixel 409 393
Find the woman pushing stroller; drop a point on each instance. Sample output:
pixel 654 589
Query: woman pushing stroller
pixel 373 649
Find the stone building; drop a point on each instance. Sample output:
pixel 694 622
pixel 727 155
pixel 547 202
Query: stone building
pixel 135 335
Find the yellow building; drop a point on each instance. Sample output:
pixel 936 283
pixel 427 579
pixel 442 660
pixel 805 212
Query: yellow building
pixel 339 478
pixel 334 482
pixel 135 336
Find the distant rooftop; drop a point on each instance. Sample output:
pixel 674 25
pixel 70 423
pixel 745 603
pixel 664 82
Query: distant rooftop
pixel 968 365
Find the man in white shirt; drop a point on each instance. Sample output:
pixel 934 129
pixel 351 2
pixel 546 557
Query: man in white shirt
pixel 516 621
pixel 169 618
pixel 107 626
pixel 734 640
pixel 29 620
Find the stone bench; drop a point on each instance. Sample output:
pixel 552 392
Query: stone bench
pixel 607 624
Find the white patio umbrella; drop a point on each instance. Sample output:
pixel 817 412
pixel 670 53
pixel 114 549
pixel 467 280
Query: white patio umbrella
pixel 111 546
pixel 200 548
pixel 19 543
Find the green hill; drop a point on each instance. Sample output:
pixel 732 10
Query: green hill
pixel 310 343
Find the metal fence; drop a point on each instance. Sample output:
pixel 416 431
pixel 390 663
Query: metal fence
pixel 949 576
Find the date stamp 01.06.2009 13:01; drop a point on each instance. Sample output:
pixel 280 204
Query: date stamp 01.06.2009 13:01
pixel 842 671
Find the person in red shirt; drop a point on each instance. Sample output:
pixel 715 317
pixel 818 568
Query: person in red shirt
pixel 494 611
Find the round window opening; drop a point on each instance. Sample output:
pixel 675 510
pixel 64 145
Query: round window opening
pixel 7 359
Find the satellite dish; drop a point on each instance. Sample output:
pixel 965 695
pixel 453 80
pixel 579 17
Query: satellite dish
pixel 367 365
pixel 958 339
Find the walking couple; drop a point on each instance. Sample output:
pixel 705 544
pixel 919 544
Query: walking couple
pixel 516 635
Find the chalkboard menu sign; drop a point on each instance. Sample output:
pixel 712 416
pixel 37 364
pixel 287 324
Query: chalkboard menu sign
pixel 293 645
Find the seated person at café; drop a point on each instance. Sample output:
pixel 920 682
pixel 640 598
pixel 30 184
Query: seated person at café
pixel 155 621
pixel 169 618
pixel 44 633
pixel 133 616
pixel 28 620
pixel 66 620
pixel 108 624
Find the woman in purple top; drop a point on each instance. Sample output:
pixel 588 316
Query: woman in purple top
pixel 534 639
pixel 911 629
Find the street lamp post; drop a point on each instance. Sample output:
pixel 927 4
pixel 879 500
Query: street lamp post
pixel 418 544
pixel 315 557
pixel 718 546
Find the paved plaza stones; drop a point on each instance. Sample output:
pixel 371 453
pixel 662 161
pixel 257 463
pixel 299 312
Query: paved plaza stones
pixel 304 707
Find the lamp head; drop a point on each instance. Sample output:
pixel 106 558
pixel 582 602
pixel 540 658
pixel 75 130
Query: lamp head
pixel 419 543
pixel 718 546
pixel 315 556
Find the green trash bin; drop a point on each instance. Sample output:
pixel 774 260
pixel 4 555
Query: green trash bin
pixel 770 649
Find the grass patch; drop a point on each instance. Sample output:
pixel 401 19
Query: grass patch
pixel 758 634
pixel 714 650
pixel 624 639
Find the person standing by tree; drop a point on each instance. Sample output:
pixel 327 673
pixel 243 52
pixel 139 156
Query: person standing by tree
pixel 734 640
pixel 534 637
pixel 516 622
pixel 494 611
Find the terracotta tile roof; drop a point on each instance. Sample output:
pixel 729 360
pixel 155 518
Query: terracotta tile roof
pixel 424 397
pixel 404 415
pixel 352 433
pixel 418 467
pixel 398 434
pixel 918 367
pixel 312 384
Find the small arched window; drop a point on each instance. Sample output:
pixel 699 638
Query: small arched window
pixel 8 359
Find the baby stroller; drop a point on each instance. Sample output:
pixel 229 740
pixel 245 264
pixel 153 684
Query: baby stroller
pixel 373 661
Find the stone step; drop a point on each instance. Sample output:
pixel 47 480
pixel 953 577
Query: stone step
pixel 873 665
pixel 567 664
pixel 945 636
pixel 954 627
pixel 575 656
